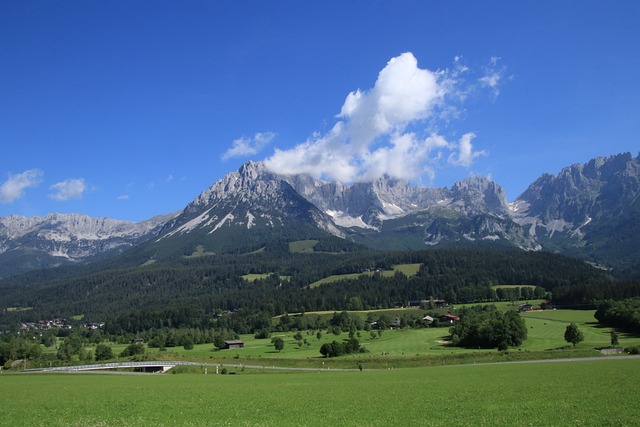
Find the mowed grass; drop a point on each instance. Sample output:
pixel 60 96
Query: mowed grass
pixel 545 331
pixel 586 393
pixel 546 326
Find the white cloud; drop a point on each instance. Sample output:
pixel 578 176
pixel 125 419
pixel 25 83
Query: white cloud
pixel 388 129
pixel 68 189
pixel 465 154
pixel 123 197
pixel 248 146
pixel 493 76
pixel 403 93
pixel 13 188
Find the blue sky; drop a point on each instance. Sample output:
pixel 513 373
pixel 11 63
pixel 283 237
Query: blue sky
pixel 130 109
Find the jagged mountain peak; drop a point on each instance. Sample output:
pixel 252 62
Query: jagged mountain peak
pixel 251 170
pixel 479 193
pixel 585 208
pixel 251 180
pixel 56 239
pixel 583 203
pixel 250 202
pixel 579 183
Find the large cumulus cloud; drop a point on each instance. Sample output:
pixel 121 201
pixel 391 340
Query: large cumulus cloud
pixel 387 129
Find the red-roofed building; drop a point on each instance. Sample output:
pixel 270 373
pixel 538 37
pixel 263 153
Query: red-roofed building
pixel 449 318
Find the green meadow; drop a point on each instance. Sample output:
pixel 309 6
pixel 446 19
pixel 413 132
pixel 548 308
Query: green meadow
pixel 304 246
pixel 252 277
pixel 409 377
pixel 406 347
pixel 584 393
pixel 406 269
pixel 513 286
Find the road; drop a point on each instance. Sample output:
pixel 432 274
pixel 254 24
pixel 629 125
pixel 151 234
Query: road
pixel 166 365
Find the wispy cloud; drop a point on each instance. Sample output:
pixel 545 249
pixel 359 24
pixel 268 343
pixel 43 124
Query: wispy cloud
pixel 243 147
pixel 68 189
pixel 389 129
pixel 464 154
pixel 13 188
pixel 493 76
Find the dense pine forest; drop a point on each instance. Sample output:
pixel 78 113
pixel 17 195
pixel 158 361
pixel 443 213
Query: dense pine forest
pixel 213 284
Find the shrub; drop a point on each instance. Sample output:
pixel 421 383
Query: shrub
pixel 262 334
pixel 132 350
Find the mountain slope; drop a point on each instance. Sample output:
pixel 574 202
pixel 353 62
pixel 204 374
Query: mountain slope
pixel 590 211
pixel 28 243
pixel 243 211
pixel 587 210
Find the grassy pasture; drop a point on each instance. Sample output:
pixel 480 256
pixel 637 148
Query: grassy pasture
pixel 303 246
pixel 508 305
pixel 585 317
pixel 586 393
pixel 252 277
pixel 405 347
pixel 406 269
pixel 199 252
pixel 513 286
pixel 545 333
pixel 16 309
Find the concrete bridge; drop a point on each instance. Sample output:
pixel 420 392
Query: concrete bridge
pixel 147 366
pixel 163 366
pixel 157 366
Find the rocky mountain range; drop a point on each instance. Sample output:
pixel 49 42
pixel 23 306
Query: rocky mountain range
pixel 589 210
pixel 29 243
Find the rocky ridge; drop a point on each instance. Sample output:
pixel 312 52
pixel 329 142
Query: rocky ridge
pixel 579 212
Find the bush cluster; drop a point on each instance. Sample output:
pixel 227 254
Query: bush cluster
pixel 335 348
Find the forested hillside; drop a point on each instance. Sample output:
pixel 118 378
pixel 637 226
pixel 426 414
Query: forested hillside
pixel 215 283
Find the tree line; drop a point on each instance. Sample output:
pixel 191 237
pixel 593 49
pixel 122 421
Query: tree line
pixel 165 294
pixel 623 314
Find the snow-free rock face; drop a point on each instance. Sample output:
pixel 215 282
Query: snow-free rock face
pixel 590 210
pixel 479 194
pixel 580 195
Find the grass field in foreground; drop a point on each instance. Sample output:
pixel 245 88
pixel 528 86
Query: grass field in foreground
pixel 593 393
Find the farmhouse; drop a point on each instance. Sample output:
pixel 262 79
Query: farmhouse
pixel 449 318
pixel 233 344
